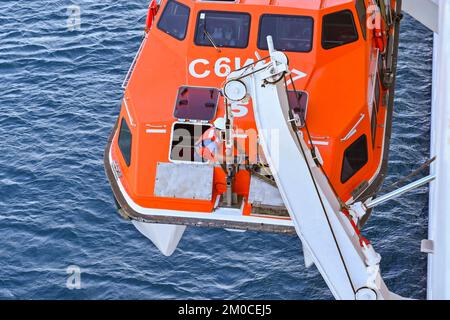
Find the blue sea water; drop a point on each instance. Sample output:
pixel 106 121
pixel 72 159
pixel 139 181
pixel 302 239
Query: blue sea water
pixel 59 98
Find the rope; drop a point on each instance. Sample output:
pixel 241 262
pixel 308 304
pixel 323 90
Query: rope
pixel 294 127
pixel 313 151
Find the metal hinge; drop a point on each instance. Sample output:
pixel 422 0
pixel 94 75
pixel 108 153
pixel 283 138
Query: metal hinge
pixel 427 246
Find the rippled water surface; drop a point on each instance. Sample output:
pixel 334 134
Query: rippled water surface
pixel 60 93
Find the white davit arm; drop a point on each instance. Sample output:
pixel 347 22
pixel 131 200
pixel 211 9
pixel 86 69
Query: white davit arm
pixel 351 270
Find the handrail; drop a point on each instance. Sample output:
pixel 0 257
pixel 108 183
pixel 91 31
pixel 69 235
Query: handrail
pixel 133 64
pixel 353 130
pixel 133 124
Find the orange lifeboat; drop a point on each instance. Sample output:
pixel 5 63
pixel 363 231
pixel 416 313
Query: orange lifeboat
pixel 161 157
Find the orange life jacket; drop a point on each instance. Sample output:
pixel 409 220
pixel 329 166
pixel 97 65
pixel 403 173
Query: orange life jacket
pixel 208 145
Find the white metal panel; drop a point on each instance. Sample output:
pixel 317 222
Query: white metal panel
pixel 438 283
pixel 184 181
pixel 263 193
pixel 425 11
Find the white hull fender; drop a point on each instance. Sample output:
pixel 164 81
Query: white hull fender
pixel 164 236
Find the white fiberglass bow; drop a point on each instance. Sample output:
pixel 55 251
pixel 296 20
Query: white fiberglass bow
pixel 351 270
pixel 164 236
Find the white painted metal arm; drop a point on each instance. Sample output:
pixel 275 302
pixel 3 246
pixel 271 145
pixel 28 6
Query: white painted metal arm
pixel 351 271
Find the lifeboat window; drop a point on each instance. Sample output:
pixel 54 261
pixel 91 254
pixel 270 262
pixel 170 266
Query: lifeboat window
pixel 125 140
pixel 184 138
pixel 298 103
pixel 373 124
pixel 355 157
pixel 377 92
pixel 196 103
pixel 380 65
pixel 174 19
pixel 222 29
pixel 289 33
pixel 338 29
pixel 362 16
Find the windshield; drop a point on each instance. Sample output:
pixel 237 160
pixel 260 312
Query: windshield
pixel 338 28
pixel 222 29
pixel 174 20
pixel 289 33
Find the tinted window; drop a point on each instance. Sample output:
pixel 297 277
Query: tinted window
pixel 125 141
pixel 355 157
pixel 362 16
pixel 298 103
pixel 174 19
pixel 338 29
pixel 289 33
pixel 196 103
pixel 373 125
pixel 225 29
pixel 380 64
pixel 377 92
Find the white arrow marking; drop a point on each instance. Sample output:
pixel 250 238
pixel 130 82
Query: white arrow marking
pixel 298 75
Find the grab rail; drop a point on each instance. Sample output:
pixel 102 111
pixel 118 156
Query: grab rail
pixel 353 130
pixel 133 64
pixel 133 124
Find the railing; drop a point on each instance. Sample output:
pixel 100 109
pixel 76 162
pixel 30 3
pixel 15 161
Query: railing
pixel 133 64
pixel 133 124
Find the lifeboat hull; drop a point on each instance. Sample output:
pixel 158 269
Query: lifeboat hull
pixel 164 236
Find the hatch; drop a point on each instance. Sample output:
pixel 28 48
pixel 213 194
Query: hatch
pixel 196 103
pixel 184 137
